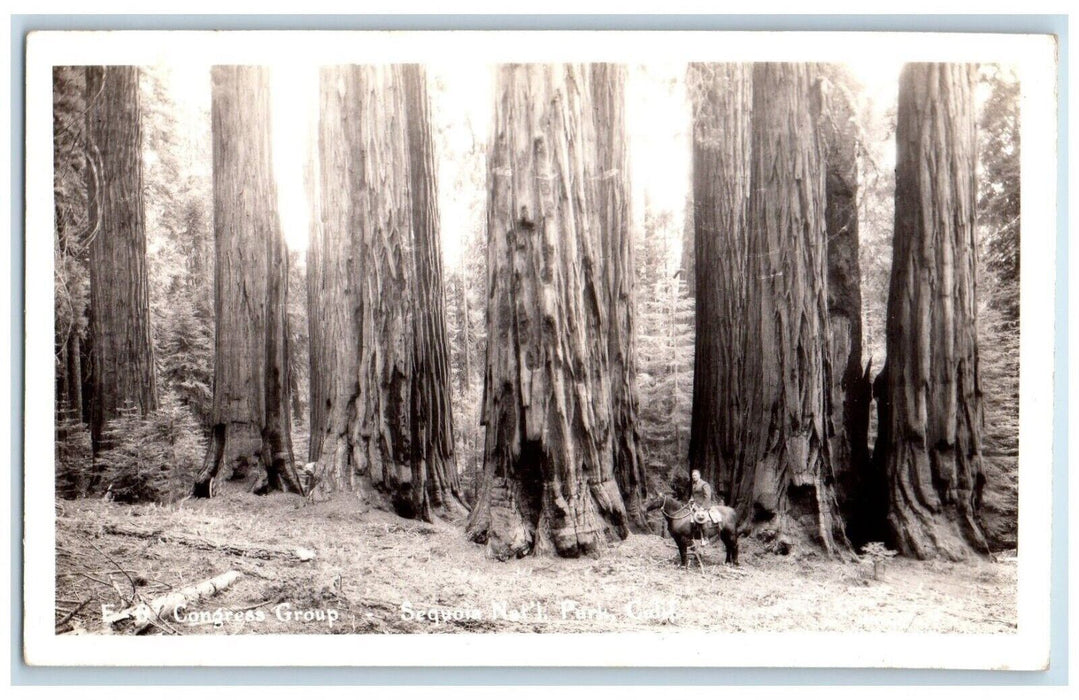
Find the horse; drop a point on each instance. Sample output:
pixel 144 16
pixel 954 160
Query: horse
pixel 682 527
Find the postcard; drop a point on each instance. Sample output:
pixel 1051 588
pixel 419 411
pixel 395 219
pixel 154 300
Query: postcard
pixel 482 348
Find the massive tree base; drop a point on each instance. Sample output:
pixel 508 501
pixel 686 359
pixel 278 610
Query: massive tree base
pixel 336 475
pixel 926 526
pixel 792 509
pixel 513 523
pixel 933 536
pixel 236 453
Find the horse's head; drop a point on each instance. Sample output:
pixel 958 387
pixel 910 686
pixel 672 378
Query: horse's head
pixel 656 502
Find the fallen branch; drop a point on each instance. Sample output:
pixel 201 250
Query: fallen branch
pixel 157 610
pixel 67 618
pixel 253 551
pixel 134 588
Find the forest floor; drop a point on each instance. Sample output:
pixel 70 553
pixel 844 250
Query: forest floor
pixel 378 572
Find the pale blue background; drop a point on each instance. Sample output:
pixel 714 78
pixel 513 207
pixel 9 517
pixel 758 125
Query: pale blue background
pixel 1043 24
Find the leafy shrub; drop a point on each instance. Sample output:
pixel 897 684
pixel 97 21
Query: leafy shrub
pixel 153 458
pixel 74 456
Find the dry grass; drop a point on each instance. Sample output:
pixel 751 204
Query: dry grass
pixel 370 562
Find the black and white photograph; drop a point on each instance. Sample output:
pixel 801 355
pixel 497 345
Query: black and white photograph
pixel 554 348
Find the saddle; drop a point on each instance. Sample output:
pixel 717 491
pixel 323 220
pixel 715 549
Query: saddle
pixel 702 515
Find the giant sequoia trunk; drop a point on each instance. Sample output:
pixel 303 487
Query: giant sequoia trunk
pixel 123 356
pixel 380 412
pixel 851 392
pixel 434 469
pixel 788 488
pixel 361 358
pixel 312 181
pixel 929 443
pixel 608 89
pixel 722 95
pixel 251 427
pixel 548 475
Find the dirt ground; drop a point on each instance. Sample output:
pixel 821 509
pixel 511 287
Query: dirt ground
pixel 373 572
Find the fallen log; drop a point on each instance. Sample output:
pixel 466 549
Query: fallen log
pixel 164 607
pixel 253 551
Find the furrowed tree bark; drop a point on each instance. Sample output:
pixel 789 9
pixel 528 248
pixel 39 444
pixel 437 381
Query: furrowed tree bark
pixel 251 438
pixel 278 461
pixel 789 485
pixel 122 348
pixel 548 477
pixel 381 423
pixel 316 410
pixel 930 407
pixel 858 493
pixel 361 359
pixel 608 89
pixel 435 483
pixel 722 103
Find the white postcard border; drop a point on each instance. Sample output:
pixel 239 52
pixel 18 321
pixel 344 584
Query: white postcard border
pixel 1028 648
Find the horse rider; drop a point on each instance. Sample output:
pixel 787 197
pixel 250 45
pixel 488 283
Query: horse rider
pixel 701 492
